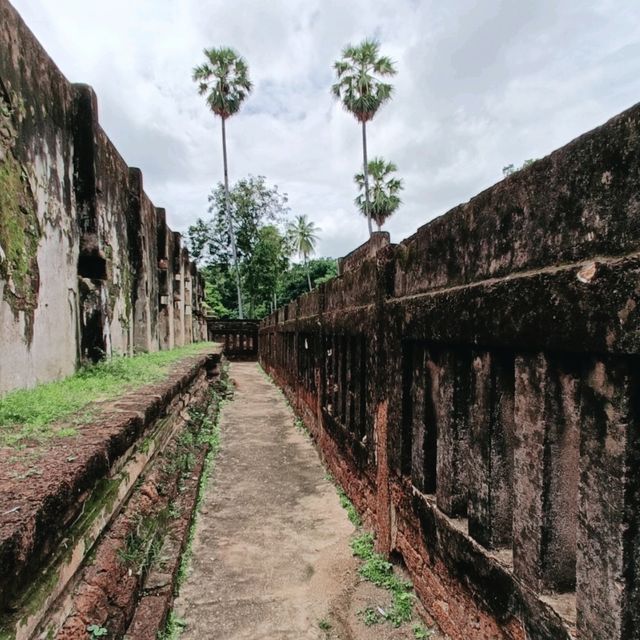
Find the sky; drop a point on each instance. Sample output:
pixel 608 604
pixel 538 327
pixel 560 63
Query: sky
pixel 480 85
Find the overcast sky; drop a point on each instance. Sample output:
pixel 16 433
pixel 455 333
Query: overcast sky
pixel 480 84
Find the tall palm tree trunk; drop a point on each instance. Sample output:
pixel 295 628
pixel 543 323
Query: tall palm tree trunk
pixel 232 234
pixel 366 176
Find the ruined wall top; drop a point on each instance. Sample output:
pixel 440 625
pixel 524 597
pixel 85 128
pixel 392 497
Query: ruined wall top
pixel 368 249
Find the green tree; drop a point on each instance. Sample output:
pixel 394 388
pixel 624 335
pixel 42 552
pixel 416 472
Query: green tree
pixel 224 79
pixel 362 91
pixel 384 192
pixel 293 282
pixel 256 210
pixel 252 203
pixel 303 235
pixel 219 291
pixel 264 268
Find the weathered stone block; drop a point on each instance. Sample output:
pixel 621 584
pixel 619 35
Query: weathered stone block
pixel 491 448
pixel 547 426
pixel 608 533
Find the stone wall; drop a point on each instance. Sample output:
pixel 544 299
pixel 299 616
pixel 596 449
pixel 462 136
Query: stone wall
pixel 88 265
pixel 476 391
pixel 239 338
pixel 353 260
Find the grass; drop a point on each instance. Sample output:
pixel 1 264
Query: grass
pixel 347 505
pixel 420 633
pixel 370 616
pixel 173 627
pixel 143 543
pixel 377 569
pixel 209 434
pixel 30 413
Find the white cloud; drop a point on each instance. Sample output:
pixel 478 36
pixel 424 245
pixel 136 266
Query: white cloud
pixel 480 85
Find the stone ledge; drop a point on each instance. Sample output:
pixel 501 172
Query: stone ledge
pixel 84 490
pixel 583 307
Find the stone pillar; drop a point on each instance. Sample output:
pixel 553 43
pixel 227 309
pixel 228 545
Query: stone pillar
pixel 491 435
pixel 608 563
pixel 547 424
pixel 419 439
pixel 448 372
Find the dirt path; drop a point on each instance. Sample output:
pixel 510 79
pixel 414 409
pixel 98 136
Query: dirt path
pixel 271 556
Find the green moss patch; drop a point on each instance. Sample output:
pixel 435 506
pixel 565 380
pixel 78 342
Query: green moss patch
pixel 19 236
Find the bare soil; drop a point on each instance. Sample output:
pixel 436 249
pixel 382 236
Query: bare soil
pixel 271 556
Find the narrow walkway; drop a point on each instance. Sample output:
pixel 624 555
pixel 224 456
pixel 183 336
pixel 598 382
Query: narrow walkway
pixel 271 556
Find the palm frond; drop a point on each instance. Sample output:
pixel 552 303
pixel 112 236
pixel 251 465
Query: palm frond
pixel 303 235
pixel 358 85
pixel 383 190
pixel 224 78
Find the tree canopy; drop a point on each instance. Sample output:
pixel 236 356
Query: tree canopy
pixel 252 204
pixel 224 79
pixel 265 245
pixel 303 235
pixel 384 198
pixel 362 91
pixel 360 86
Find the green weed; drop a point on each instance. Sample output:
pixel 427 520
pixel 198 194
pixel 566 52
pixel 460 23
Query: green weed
pixel 301 427
pixel 173 628
pixel 420 633
pixel 209 434
pixel 96 631
pixel 29 413
pixel 346 504
pixel 174 511
pixel 324 624
pixel 370 616
pixel 376 569
pixel 143 543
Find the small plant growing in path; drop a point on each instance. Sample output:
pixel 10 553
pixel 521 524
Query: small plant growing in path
pixel 420 633
pixel 96 631
pixel 301 427
pixel 370 616
pixel 324 624
pixel 379 571
pixel 174 627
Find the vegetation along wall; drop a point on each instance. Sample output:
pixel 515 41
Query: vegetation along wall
pixel 476 391
pixel 88 265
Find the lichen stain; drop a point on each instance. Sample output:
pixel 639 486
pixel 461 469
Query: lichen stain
pixel 20 230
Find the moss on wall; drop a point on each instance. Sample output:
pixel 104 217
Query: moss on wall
pixel 19 227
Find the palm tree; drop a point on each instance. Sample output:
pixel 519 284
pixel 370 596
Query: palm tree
pixel 224 79
pixel 384 192
pixel 362 91
pixel 303 236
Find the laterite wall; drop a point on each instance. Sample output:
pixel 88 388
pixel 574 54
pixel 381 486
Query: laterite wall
pixel 476 391
pixel 87 263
